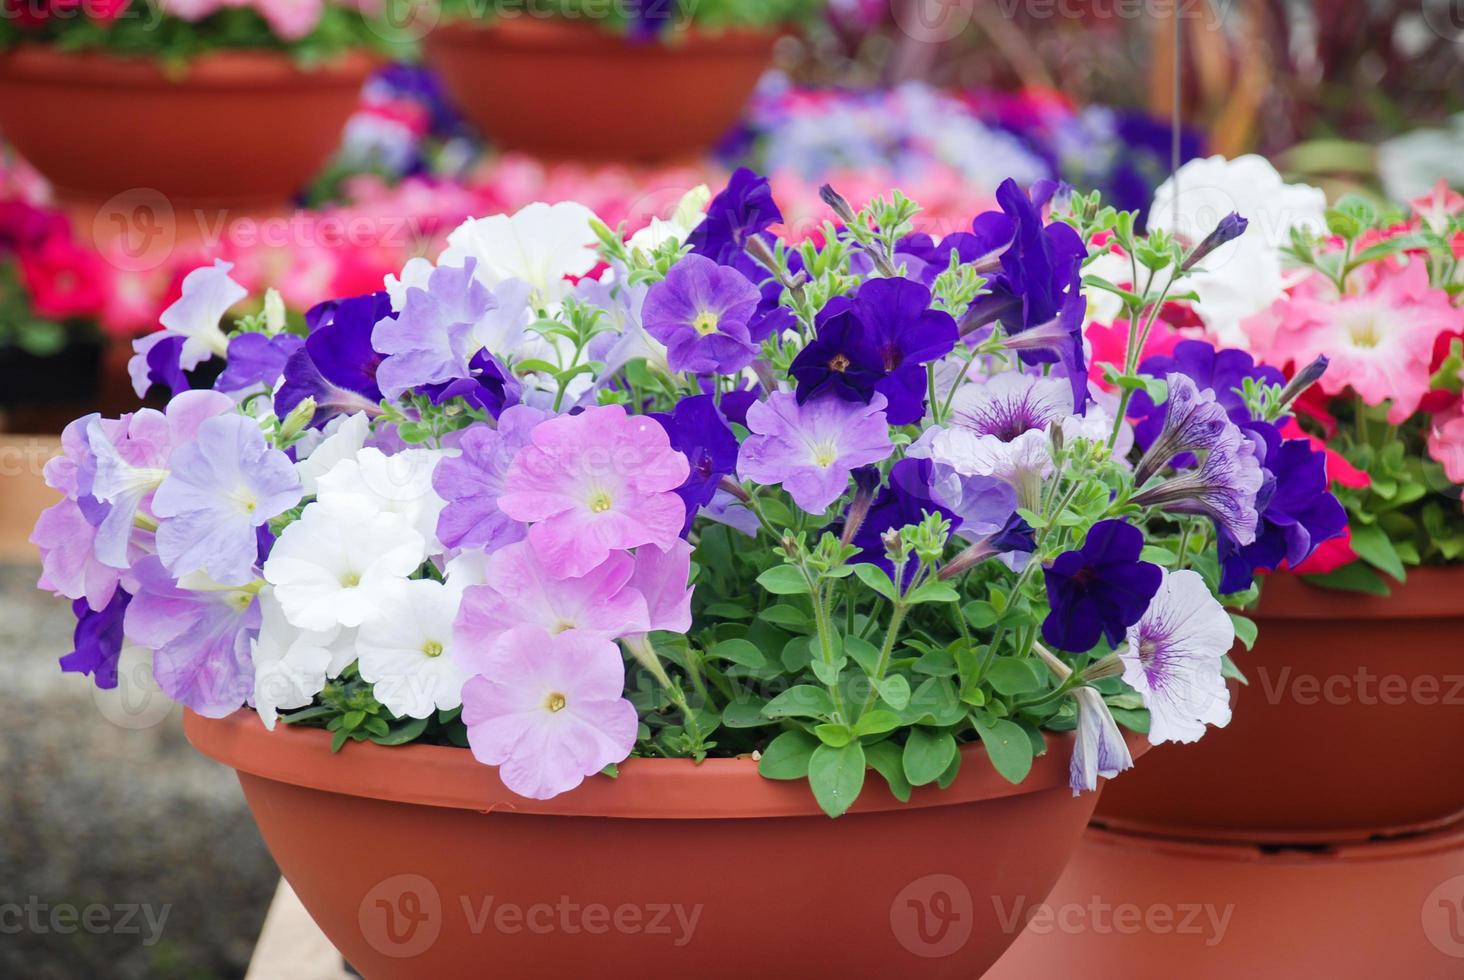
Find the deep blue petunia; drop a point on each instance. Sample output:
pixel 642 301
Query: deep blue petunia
pixel 1040 264
pixel 904 501
pixel 743 208
pixel 697 429
pixel 840 359
pixel 98 640
pixel 1099 590
pixel 337 366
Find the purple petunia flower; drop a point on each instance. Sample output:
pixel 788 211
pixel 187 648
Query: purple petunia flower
pixel 1040 267
pixel 1296 508
pixel 1223 372
pixel 697 430
pixel 221 488
pixel 1224 488
pixel 812 448
pixel 200 640
pixel 98 640
pixel 1010 403
pixel 338 364
pixel 257 359
pixel 472 482
pixel 876 343
pixel 1059 341
pixel 701 311
pixel 742 209
pixel 1099 590
pixel 904 502
pixel 431 340
pixel 488 385
pixel 1193 422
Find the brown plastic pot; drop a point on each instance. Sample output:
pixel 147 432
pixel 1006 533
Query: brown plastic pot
pixel 541 85
pixel 1147 909
pixel 1351 727
pixel 228 129
pixel 416 861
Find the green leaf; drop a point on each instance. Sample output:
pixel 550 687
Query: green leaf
pixel 353 719
pixel 865 654
pixel 407 731
pixel 797 655
pixel 1008 746
pixel 834 735
pixel 828 673
pixel 876 722
pixel 885 758
pixel 742 653
pixel 783 580
pixel 743 714
pixel 1013 675
pixel 1376 548
pixel 787 616
pixel 1245 630
pixel 894 690
pixel 875 577
pixel 728 610
pixel 800 701
pixel 1356 577
pixel 933 591
pixel 952 771
pixel 786 756
pixel 928 753
pixel 979 614
pixel 836 776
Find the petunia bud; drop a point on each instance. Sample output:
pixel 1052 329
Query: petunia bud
pixel 294 423
pixel 1304 379
pixel 1231 227
pixel 837 203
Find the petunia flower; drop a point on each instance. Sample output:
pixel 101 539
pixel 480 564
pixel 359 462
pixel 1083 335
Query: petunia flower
pixel 472 482
pixel 200 635
pixel 334 565
pixel 549 711
pixel 397 484
pixel 338 365
pixel 342 438
pixel 405 649
pixel 220 489
pixel 432 339
pixel 195 317
pixel 742 209
pixel 812 448
pixel 1224 487
pixel 1011 403
pixel 1040 264
pixel 97 640
pixel 1022 464
pixel 1100 749
pixel 697 430
pixel 1099 590
pixel 540 244
pixel 905 501
pixel 663 578
pixel 1173 659
pixel 1446 444
pixel 593 483
pixel 520 590
pixel 290 665
pixel 1194 422
pixel 701 311
pixel 257 360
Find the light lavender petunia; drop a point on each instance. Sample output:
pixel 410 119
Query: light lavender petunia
pixel 812 448
pixel 432 340
pixel 1194 422
pixel 472 482
pixel 200 638
pixel 1224 488
pixel 1011 403
pixel 1100 749
pixel 701 311
pixel 220 489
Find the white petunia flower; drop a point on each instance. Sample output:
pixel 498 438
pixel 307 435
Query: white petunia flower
pixel 539 244
pixel 1100 749
pixel 290 664
pixel 334 566
pixel 690 211
pixel 345 436
pixel 405 649
pixel 1173 659
pixel 415 275
pixel 398 484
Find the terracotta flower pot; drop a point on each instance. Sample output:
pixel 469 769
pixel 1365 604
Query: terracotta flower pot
pixel 1146 909
pixel 415 861
pixel 540 85
pixel 1350 727
pixel 230 129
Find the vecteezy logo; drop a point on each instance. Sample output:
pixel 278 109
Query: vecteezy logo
pixel 932 916
pixel 402 916
pixel 1443 917
pixel 1445 18
pixel 932 21
pixel 135 231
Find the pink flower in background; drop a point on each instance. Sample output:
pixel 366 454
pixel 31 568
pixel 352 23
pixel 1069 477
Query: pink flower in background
pixel 290 19
pixel 1437 206
pixel 1379 335
pixel 594 483
pixel 1446 443
pixel 548 710
pixel 65 279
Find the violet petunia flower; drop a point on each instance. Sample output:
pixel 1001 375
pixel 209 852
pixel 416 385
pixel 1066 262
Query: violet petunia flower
pixel 1222 372
pixel 257 359
pixel 338 365
pixel 549 711
pixel 220 490
pixel 1173 659
pixel 697 430
pixel 841 359
pixel 98 640
pixel 742 209
pixel 905 501
pixel 593 483
pixel 1022 464
pixel 472 482
pixel 432 339
pixel 1059 342
pixel 701 312
pixel 812 448
pixel 1040 264
pixel 1224 488
pixel 192 331
pixel 1099 590
pixel 1194 422
pixel 1099 749
pixel 1011 403
pixel 200 639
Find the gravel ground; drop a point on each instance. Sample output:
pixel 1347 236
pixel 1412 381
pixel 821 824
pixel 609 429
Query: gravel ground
pixel 123 853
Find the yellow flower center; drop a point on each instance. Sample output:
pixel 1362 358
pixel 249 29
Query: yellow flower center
pixel 825 454
pixel 599 502
pixel 432 648
pixel 350 580
pixel 555 702
pixel 706 322
pixel 1365 331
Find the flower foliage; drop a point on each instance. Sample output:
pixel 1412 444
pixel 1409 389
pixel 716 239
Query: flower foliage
pixel 568 497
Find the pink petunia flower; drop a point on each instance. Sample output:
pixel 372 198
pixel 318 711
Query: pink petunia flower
pixel 549 711
pixel 594 483
pixel 1379 335
pixel 1446 443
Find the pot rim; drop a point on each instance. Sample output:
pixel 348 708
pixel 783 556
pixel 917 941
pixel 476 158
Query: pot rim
pixel 1446 838
pixel 674 789
pixel 553 35
pixel 225 68
pixel 1430 592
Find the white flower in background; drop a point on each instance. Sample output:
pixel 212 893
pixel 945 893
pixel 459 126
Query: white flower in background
pixel 345 435
pixel 1243 277
pixel 405 649
pixel 335 565
pixel 1173 659
pixel 1104 306
pixel 290 664
pixel 1410 165
pixel 539 244
pixel 399 484
pixel 1100 749
pixel 690 211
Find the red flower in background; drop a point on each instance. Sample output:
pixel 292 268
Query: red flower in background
pixel 64 278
